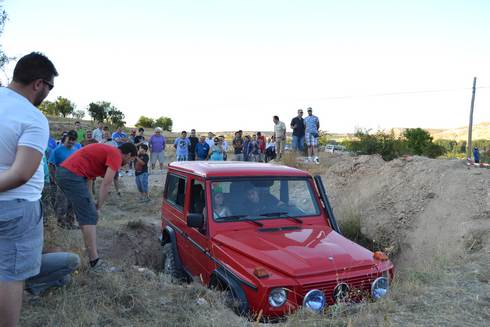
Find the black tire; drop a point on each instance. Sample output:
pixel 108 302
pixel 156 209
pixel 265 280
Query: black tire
pixel 169 266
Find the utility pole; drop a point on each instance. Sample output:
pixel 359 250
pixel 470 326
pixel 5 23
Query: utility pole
pixel 470 127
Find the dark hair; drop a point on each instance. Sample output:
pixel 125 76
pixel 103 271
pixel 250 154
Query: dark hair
pixel 77 122
pixel 143 146
pixel 34 66
pixel 184 132
pixel 141 129
pixel 128 148
pixel 105 128
pixel 276 117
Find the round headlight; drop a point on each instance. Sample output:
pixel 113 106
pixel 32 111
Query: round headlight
pixel 315 300
pixel 380 287
pixel 278 297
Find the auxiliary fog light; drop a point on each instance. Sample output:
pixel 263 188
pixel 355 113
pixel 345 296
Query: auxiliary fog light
pixel 277 297
pixel 380 288
pixel 315 301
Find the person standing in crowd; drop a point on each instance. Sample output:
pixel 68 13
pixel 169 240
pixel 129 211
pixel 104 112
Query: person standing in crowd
pixel 157 148
pixel 224 144
pixel 476 155
pixel 247 148
pixel 312 126
pixel 90 162
pixel 280 135
pixel 88 139
pixel 181 146
pixel 298 127
pixel 254 154
pixel 111 142
pixel 141 172
pixel 140 138
pixel 132 135
pixel 192 146
pixel 119 136
pixel 202 149
pixel 210 139
pixel 63 209
pixel 238 146
pixel 98 133
pixel 80 132
pixel 216 152
pixel 261 143
pixel 25 138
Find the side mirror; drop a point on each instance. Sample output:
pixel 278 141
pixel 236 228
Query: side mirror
pixel 195 220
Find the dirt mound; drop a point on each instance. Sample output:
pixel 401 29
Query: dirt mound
pixel 414 207
pixel 135 243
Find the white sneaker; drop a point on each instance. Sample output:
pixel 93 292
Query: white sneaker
pixel 317 160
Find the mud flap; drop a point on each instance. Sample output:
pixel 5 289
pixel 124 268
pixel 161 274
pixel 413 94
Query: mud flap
pixel 228 280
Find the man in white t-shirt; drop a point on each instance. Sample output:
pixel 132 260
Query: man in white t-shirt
pixel 280 134
pixel 25 138
pixel 98 133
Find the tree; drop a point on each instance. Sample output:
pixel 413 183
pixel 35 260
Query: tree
pixel 165 123
pixel 417 140
pixel 79 114
pixel 99 111
pixel 3 57
pixel 48 108
pixel 64 107
pixel 145 122
pixel 116 117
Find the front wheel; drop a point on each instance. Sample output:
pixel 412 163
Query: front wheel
pixel 169 266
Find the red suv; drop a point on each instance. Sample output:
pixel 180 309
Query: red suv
pixel 267 235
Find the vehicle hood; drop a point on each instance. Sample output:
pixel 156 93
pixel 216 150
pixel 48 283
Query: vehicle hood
pixel 310 250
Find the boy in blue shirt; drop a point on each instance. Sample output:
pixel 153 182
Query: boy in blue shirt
pixel 181 146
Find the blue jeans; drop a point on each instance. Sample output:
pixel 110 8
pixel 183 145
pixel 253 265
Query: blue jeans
pixel 142 182
pixel 56 268
pixel 298 143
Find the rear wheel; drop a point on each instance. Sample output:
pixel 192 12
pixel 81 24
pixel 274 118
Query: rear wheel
pixel 169 266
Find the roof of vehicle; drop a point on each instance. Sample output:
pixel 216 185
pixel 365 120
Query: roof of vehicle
pixel 208 169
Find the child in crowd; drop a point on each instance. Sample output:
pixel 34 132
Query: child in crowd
pixel 141 172
pixel 181 145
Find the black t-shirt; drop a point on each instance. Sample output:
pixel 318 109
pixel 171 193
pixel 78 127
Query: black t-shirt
pixel 300 126
pixel 238 145
pixel 144 169
pixel 139 139
pixel 193 141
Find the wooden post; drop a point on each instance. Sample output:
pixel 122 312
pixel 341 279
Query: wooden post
pixel 470 127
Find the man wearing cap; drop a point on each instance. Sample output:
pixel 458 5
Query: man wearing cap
pixel 90 162
pixel 157 148
pixel 23 143
pixel 312 126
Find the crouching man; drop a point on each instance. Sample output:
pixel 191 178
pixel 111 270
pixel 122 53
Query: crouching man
pixel 56 268
pixel 93 160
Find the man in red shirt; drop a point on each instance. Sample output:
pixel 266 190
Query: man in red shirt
pixel 91 161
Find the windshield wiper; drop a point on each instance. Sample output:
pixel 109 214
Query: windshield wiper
pixel 281 213
pixel 240 218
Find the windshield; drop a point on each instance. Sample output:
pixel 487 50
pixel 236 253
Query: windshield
pixel 265 198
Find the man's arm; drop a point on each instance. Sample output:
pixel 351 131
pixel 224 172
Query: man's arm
pixel 104 186
pixel 26 162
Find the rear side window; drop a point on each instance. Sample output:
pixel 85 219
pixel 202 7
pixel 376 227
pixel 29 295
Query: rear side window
pixel 175 190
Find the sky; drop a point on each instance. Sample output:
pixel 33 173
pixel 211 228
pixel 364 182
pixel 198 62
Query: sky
pixel 224 65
